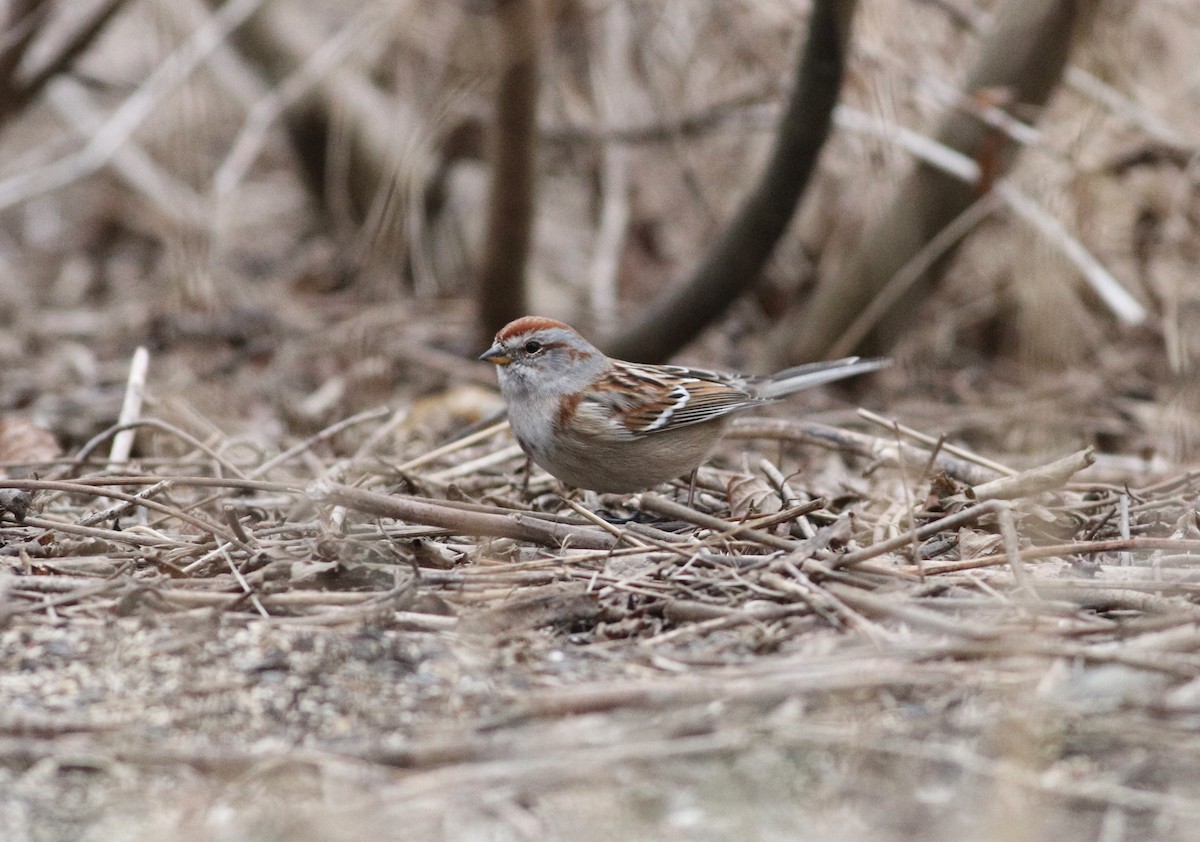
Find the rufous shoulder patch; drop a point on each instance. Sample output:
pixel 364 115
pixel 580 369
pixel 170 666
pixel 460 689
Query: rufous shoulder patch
pixel 567 409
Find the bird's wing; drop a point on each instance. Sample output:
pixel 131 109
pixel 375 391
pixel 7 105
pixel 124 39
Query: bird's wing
pixel 632 401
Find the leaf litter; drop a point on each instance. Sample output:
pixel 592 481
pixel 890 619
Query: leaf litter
pixel 381 627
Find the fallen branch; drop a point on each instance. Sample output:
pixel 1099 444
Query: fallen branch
pixel 1181 545
pixel 1048 477
pixel 502 524
pixel 849 441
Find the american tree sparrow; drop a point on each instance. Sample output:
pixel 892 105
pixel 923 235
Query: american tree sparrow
pixel 614 426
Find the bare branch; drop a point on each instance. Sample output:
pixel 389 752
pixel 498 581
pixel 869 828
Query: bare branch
pixel 24 23
pixel 513 154
pixel 133 111
pixel 737 257
pixel 79 41
pixel 1026 54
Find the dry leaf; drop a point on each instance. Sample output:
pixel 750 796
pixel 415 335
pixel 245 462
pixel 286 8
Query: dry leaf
pixel 751 495
pixel 973 543
pixel 23 442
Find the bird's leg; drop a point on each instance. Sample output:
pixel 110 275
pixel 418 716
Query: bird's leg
pixel 526 473
pixel 692 487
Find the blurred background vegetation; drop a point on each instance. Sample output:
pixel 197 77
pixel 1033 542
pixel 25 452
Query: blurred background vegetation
pixel 304 210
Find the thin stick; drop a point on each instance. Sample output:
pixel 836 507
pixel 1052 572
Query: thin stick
pixel 327 433
pixel 79 488
pixel 824 603
pixel 457 444
pixel 622 534
pixel 118 509
pixel 123 537
pixel 1113 545
pixel 131 408
pixel 951 161
pixel 1126 557
pixel 246 589
pixel 909 508
pixel 474 466
pixel 109 138
pixel 912 271
pixel 170 196
pixel 1012 550
pixel 663 506
pixel 96 440
pixel 872 447
pixel 267 110
pixel 932 441
pixel 953 521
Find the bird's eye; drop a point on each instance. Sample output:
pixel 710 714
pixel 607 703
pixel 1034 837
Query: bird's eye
pixel 532 346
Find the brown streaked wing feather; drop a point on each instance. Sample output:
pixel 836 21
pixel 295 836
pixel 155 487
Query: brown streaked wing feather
pixel 601 411
pixel 664 404
pixel 707 400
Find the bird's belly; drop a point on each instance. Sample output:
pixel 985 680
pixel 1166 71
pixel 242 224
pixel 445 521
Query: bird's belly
pixel 630 465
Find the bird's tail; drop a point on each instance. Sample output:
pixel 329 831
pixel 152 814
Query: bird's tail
pixel 814 374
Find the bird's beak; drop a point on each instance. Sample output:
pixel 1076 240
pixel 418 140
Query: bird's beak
pixel 496 356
